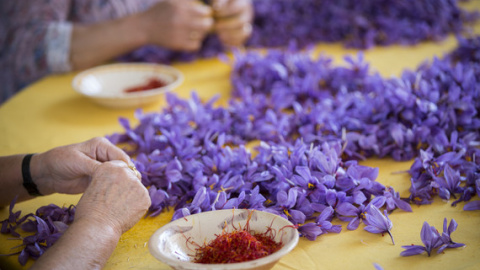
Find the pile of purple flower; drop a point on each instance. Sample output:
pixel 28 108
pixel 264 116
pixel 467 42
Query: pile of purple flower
pixel 313 122
pixel 290 140
pixel 46 226
pixel 358 24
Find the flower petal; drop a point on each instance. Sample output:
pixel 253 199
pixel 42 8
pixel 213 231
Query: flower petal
pixel 412 250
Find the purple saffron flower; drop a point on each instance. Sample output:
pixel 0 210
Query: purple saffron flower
pixel 377 222
pixel 393 200
pixel 49 223
pixel 200 203
pixel 359 177
pixel 173 171
pixel 253 200
pixel 285 206
pixel 446 236
pixel 310 230
pixel 412 250
pixel 421 190
pixel 10 224
pixel 430 238
pixel 222 202
pixel 324 221
pixel 159 198
pixel 449 184
pixel 325 160
pixel 474 205
pixel 349 212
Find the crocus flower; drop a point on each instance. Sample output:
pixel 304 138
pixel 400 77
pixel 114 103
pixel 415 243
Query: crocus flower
pixel 324 221
pixel 449 184
pixel 222 202
pixel 47 225
pixel 430 238
pixel 10 224
pixel 253 200
pixel 310 230
pixel 474 205
pixel 393 200
pixel 159 199
pixel 377 222
pixel 446 236
pixel 355 214
pixel 285 206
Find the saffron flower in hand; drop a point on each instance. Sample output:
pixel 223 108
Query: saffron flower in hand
pixel 377 222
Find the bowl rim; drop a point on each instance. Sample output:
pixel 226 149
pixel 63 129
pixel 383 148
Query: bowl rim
pixel 272 258
pixel 179 78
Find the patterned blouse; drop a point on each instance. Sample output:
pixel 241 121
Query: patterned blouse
pixel 35 35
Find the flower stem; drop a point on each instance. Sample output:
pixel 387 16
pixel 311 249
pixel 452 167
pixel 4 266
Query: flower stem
pixel 391 236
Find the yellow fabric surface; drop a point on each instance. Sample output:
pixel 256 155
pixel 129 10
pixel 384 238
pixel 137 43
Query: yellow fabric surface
pixel 49 114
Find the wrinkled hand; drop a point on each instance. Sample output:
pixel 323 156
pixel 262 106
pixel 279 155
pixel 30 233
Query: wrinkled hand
pixel 178 24
pixel 68 169
pixel 115 197
pixel 233 21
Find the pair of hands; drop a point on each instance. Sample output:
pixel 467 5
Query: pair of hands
pixel 183 24
pixel 113 194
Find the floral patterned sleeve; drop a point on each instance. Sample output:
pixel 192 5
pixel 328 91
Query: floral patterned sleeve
pixel 35 35
pixel 35 42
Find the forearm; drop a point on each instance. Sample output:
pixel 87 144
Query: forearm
pixel 12 180
pixel 85 245
pixel 94 44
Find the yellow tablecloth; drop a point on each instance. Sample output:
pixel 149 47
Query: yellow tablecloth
pixel 49 114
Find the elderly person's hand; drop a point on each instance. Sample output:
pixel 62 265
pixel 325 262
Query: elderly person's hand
pixel 68 169
pixel 178 24
pixel 233 21
pixel 113 202
pixel 115 197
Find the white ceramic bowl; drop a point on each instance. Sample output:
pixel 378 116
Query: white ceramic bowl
pixel 106 84
pixel 169 243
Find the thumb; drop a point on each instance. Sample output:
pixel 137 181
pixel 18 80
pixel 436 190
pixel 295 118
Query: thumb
pixel 91 166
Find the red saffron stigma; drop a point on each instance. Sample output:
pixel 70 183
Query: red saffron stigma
pixel 236 246
pixel 151 84
pixel 240 245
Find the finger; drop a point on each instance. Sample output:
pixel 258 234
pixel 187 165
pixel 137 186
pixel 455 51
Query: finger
pixel 136 172
pixel 219 4
pixel 118 163
pixel 192 45
pixel 130 169
pixel 232 22
pixel 231 8
pixel 197 33
pixel 203 26
pixel 107 151
pixel 200 9
pixel 122 164
pixel 235 37
pixel 235 41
